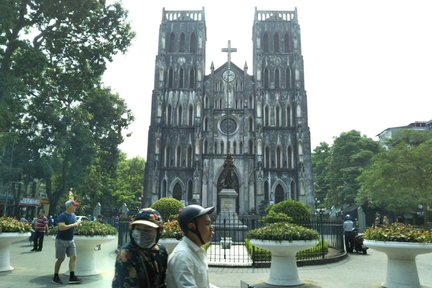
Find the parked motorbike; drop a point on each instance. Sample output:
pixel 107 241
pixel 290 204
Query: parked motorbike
pixel 359 247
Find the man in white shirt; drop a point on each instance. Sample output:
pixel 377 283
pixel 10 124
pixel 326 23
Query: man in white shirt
pixel 348 226
pixel 187 264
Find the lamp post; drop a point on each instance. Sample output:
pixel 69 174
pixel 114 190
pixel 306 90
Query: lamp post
pixel 319 213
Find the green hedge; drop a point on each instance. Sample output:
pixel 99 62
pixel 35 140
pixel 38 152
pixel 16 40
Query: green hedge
pixel 169 208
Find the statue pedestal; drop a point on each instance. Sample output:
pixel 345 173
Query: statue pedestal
pixel 228 227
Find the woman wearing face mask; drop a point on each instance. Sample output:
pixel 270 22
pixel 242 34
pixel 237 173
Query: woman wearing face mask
pixel 142 262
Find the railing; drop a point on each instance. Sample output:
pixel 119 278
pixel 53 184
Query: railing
pixel 229 247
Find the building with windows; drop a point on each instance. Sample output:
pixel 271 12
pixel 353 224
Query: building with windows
pixel 257 116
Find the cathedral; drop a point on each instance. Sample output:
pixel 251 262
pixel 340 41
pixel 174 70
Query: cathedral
pixel 257 119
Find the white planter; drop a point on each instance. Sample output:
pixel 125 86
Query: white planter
pixel 6 239
pixel 169 243
pixel 86 264
pixel 283 270
pixel 401 264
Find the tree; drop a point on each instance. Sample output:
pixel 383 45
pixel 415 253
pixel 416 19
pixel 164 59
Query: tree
pixel 351 153
pixel 52 57
pixel 399 179
pixel 321 158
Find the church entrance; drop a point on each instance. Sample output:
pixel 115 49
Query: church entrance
pixel 279 194
pixel 177 192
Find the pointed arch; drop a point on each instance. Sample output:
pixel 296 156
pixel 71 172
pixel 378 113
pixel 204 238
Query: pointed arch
pixel 266 116
pixel 278 116
pixel 288 81
pixel 267 156
pixel 286 43
pixel 276 43
pixel 288 120
pixel 182 42
pixel 277 78
pixel 177 191
pixel 193 43
pixel 266 43
pixel 251 124
pixel 189 156
pixel 169 114
pixel 167 156
pixel 179 115
pixel 279 156
pixel 205 146
pixel 251 146
pixel 181 78
pixel 279 193
pixel 170 78
pixel 178 156
pixel 266 78
pixel 171 42
pixel 190 115
pixel 192 81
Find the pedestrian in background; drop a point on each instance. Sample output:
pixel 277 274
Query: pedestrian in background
pixel 41 228
pixel 64 243
pixel 348 226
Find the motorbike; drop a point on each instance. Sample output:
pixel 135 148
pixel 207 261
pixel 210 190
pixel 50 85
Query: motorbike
pixel 359 247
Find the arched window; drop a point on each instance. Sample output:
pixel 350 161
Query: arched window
pixel 286 43
pixel 192 79
pixel 190 122
pixel 179 115
pixel 288 82
pixel 167 156
pixel 181 78
pixel 205 148
pixel 288 116
pixel 267 157
pixel 193 43
pixel 251 147
pixel 235 147
pixel 276 42
pixel 222 147
pixel 265 43
pixel 170 78
pixel 182 43
pixel 277 85
pixel 277 116
pixel 171 42
pixel 178 156
pixel 279 157
pixel 163 193
pixel 251 124
pixel 189 164
pixel 290 158
pixel 205 124
pixel 168 119
pixel 266 78
pixel 266 116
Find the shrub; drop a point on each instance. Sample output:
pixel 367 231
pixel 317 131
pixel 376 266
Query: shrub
pixel 298 211
pixel 9 224
pixel 398 232
pixel 90 228
pixel 169 208
pixel 283 231
pixel 273 217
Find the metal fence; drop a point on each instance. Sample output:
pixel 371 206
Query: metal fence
pixel 229 246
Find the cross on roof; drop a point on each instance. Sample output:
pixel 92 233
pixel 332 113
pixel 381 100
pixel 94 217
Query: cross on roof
pixel 229 50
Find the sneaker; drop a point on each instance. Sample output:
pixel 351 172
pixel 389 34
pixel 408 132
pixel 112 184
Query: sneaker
pixel 74 280
pixel 57 280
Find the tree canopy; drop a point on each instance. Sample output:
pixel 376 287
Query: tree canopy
pixel 399 178
pixel 52 57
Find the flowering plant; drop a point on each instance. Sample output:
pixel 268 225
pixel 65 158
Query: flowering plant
pixel 172 230
pixel 91 228
pixel 398 232
pixel 9 224
pixel 283 231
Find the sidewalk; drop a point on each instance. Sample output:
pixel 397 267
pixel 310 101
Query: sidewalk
pixel 35 269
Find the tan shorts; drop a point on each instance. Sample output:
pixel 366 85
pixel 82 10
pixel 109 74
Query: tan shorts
pixel 65 247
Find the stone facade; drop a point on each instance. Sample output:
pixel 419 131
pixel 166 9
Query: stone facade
pixel 260 118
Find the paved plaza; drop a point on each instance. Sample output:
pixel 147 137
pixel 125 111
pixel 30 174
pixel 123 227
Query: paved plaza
pixel 35 269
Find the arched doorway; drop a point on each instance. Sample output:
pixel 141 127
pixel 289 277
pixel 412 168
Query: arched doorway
pixel 279 193
pixel 177 192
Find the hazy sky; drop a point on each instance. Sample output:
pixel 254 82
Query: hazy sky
pixel 368 63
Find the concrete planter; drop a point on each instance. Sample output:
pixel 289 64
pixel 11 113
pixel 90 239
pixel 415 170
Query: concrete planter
pixel 283 269
pixel 169 243
pixel 6 239
pixel 86 258
pixel 401 265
